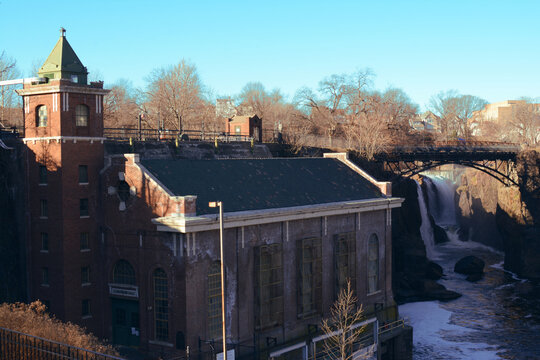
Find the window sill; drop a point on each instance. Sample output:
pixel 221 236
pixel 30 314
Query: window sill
pixel 43 184
pixel 44 251
pixel 45 285
pixel 85 183
pixel 162 343
pixel 374 293
pixel 86 284
pixel 84 217
pixel 87 316
pixel 43 217
pixel 85 250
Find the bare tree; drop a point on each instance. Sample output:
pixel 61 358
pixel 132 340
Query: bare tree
pixel 327 108
pixel 175 95
pixel 525 123
pixel 344 314
pixel 454 111
pixel 121 106
pixel 8 98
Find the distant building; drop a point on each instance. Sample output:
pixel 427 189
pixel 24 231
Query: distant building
pixel 499 113
pixel 244 126
pixel 427 121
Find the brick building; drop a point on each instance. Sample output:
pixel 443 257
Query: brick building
pixel 127 246
pixel 247 126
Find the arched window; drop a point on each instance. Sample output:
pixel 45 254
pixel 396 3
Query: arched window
pixel 123 273
pixel 81 115
pixel 41 116
pixel 161 305
pixel 214 301
pixel 373 263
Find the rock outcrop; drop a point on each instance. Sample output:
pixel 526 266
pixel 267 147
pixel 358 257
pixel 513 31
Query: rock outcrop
pixel 507 218
pixel 414 275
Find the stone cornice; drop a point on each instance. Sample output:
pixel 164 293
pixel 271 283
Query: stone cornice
pixel 56 88
pixel 255 217
pixel 64 139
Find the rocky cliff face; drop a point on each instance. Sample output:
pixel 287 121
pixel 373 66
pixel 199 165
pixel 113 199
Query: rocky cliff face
pixel 414 275
pixel 507 218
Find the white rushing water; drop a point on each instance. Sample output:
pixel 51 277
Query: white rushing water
pixel 426 230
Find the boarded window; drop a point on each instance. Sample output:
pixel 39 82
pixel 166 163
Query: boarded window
pixel 269 286
pixel 309 262
pixel 373 264
pixel 214 301
pixel 344 262
pixel 161 305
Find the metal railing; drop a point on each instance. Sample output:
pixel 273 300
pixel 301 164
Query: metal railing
pixel 20 346
pixel 171 135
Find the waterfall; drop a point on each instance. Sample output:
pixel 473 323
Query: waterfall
pixel 425 229
pixel 440 196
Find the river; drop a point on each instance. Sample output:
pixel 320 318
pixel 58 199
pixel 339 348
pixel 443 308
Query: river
pixel 497 317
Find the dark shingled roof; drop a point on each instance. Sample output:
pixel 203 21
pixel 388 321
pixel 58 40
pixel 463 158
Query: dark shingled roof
pixel 257 184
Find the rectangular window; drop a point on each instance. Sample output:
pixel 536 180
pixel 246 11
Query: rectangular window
pixel 85 245
pixel 42 175
pixel 344 261
pixel 237 129
pixel 83 174
pixel 85 311
pixel 83 207
pixel 45 276
pixel 45 242
pixel 309 262
pixel 43 208
pixel 85 275
pixel 269 286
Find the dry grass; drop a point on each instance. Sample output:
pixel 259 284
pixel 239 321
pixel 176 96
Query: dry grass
pixel 33 319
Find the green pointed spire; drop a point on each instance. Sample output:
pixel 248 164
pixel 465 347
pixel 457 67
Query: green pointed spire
pixel 63 63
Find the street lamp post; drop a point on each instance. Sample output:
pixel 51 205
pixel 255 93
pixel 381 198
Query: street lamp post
pixel 214 204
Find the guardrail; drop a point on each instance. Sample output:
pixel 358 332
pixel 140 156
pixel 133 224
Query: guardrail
pixel 20 346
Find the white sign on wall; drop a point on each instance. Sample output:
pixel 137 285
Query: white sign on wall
pixel 230 355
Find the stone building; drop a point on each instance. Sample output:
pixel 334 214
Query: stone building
pixel 127 246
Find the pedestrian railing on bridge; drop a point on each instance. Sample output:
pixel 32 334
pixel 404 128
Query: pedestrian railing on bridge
pixel 20 346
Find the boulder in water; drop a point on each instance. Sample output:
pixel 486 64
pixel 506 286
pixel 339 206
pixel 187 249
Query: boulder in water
pixel 436 291
pixel 470 265
pixel 434 271
pixel 439 234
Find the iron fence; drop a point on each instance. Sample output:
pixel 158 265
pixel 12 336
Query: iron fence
pixel 20 346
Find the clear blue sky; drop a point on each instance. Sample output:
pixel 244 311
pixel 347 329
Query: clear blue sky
pixel 484 48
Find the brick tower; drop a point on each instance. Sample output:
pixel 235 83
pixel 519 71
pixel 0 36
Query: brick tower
pixel 63 123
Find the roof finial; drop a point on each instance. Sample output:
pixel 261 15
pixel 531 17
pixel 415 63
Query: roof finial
pixel 62 32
